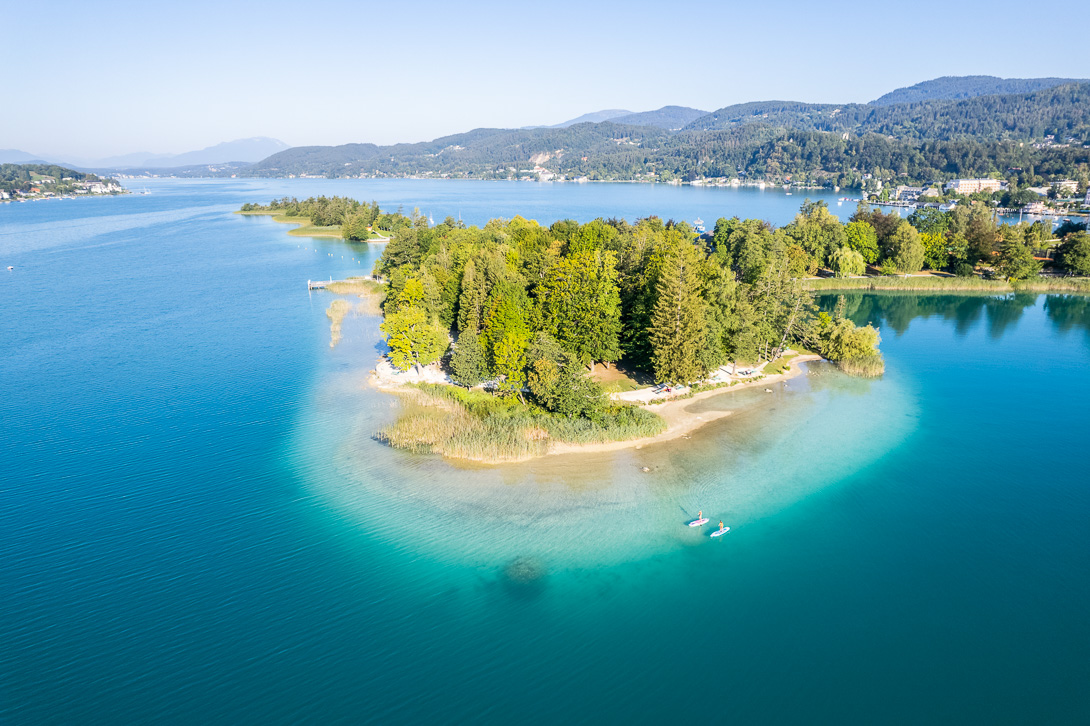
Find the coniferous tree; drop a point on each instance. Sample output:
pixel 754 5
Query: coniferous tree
pixel 471 301
pixel 580 305
pixel 679 328
pixel 467 363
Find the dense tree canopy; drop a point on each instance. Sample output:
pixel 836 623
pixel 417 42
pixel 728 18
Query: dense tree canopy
pixel 532 308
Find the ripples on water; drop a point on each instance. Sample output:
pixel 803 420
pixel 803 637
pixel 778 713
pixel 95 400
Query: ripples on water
pixel 197 524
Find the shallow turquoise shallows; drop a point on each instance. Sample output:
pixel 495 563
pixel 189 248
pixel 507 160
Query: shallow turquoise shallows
pixel 197 525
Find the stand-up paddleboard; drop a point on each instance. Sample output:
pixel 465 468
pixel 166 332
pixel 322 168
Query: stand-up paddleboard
pixel 698 522
pixel 720 532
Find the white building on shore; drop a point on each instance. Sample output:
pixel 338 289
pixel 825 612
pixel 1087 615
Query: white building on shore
pixel 972 186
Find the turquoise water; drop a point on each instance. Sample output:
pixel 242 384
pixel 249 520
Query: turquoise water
pixel 196 523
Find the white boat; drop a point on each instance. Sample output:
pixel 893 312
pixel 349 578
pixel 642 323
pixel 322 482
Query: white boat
pixel 720 532
pixel 698 522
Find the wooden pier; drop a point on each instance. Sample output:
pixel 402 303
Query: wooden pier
pixel 318 284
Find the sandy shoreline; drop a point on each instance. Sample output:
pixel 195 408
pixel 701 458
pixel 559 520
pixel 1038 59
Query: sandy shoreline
pixel 679 420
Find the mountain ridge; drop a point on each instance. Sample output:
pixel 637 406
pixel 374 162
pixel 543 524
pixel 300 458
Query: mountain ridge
pixel 592 117
pixel 961 87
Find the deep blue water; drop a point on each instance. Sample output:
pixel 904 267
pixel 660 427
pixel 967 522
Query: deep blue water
pixel 196 525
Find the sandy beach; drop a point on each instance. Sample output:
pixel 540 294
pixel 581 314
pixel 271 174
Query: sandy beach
pixel 680 421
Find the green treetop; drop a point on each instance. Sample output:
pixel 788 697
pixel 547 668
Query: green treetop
pixel 414 338
pixel 679 328
pixel 580 305
pixel 862 238
pixel 905 249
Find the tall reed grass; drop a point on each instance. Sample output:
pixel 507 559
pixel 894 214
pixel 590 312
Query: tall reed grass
pixel 336 312
pixel 475 425
pixel 356 286
pixel 871 366
pixel 952 284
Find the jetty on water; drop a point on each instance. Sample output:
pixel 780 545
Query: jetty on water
pixel 318 284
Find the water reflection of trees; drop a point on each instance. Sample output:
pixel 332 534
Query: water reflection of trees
pixel 1069 312
pixel 895 311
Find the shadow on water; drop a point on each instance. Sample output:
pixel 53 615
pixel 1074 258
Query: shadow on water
pixel 896 310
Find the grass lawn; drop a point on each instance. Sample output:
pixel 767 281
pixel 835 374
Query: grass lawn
pixel 305 228
pixel 777 366
pixel 619 378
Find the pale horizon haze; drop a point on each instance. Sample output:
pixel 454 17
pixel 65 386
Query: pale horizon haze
pixel 94 80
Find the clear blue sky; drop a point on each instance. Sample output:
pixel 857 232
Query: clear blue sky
pixel 100 78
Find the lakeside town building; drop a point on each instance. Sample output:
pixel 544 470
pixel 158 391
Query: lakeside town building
pixel 972 186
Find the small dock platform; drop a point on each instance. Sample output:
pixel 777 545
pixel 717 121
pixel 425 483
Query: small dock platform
pixel 318 284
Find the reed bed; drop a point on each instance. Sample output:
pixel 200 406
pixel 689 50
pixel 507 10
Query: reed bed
pixel 952 284
pixel 870 367
pixel 356 286
pixel 336 312
pixel 475 425
pixel 908 283
pixel 1055 284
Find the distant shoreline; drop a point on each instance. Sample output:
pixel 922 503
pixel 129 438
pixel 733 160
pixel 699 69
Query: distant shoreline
pixel 65 196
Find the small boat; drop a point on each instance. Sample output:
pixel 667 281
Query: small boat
pixel 698 522
pixel 720 532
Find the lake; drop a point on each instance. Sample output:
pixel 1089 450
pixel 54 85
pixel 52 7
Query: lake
pixel 198 525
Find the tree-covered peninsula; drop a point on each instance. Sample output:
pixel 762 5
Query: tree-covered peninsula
pixel 333 217
pixel 526 320
pixel 532 311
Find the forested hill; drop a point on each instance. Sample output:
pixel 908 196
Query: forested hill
pixel 476 152
pixel 667 117
pixel 1062 111
pixel 1038 136
pixel 959 87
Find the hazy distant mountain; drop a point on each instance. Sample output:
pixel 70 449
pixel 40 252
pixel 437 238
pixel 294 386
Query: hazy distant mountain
pixel 957 87
pixel 670 118
pixel 253 149
pixel 137 158
pixel 14 156
pixel 592 118
pixel 247 150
